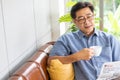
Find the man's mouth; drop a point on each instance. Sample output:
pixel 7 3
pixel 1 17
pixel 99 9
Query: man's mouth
pixel 87 26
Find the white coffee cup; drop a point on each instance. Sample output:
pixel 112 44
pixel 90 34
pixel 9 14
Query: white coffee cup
pixel 97 50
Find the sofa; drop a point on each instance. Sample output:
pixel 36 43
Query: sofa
pixel 35 68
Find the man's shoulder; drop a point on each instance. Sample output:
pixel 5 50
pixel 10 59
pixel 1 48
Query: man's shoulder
pixel 102 33
pixel 70 34
pixel 105 35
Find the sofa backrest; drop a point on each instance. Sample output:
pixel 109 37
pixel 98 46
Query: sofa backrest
pixel 35 68
pixel 29 71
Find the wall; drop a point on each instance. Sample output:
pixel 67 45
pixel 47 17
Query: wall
pixel 24 26
pixel 54 10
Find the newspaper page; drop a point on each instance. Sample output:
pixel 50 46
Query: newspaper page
pixel 110 71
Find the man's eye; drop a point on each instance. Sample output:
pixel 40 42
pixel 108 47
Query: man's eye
pixel 89 16
pixel 81 18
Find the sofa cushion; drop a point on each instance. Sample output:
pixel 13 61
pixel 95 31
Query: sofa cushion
pixel 59 71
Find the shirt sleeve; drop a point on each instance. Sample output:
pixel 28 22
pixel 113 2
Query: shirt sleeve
pixel 60 48
pixel 115 49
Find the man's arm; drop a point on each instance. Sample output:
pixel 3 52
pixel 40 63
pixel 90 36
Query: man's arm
pixel 84 54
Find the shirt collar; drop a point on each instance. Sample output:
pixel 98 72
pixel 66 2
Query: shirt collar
pixel 81 34
pixel 96 32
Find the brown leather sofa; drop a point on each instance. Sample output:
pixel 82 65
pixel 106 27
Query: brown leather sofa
pixel 35 67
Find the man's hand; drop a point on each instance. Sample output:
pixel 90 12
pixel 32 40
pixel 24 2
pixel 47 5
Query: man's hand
pixel 84 54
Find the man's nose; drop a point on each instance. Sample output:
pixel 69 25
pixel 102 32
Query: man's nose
pixel 87 21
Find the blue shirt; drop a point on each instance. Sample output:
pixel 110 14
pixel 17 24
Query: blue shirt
pixel 73 42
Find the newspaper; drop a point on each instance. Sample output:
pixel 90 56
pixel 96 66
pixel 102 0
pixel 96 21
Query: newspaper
pixel 110 71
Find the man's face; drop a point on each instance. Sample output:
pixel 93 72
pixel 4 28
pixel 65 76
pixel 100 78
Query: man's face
pixel 85 20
